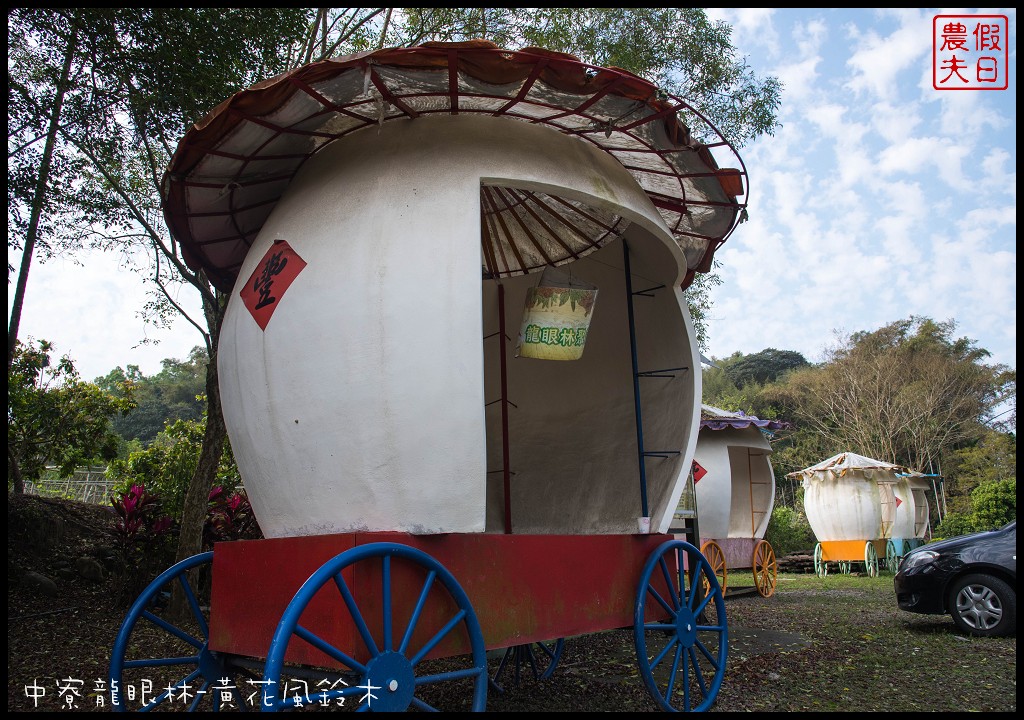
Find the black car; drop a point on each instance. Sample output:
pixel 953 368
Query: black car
pixel 971 577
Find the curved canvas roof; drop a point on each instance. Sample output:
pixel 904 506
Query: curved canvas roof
pixel 717 419
pixel 232 167
pixel 846 461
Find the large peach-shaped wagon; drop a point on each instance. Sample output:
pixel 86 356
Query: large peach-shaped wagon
pixel 401 235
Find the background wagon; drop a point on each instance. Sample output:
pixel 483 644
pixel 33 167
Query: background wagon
pixel 733 494
pixel 911 524
pixel 859 508
pixel 430 489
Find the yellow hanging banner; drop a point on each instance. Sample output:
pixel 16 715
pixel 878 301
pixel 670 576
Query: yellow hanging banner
pixel 556 318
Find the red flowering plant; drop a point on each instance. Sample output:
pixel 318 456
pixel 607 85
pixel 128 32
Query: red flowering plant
pixel 229 517
pixel 140 537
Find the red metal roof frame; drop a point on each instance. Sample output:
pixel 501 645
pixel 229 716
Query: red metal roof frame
pixel 259 138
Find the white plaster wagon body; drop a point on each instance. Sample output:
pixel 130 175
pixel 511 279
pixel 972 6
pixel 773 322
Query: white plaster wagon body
pixel 378 221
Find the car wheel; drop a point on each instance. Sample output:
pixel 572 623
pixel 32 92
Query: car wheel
pixel 983 605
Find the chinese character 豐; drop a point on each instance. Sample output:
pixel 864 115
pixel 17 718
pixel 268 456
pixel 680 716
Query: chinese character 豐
pixel 264 283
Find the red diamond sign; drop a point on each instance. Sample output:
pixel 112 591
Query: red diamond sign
pixel 269 281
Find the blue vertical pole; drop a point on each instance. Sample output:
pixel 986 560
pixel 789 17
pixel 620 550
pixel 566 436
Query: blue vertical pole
pixel 636 382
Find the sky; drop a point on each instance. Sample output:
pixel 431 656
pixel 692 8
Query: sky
pixel 878 198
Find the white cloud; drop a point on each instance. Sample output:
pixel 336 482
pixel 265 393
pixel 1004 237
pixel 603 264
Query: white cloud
pixel 752 27
pixel 878 59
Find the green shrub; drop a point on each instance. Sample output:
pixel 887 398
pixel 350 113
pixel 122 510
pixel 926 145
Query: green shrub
pixel 955 524
pixel 167 465
pixel 993 504
pixel 788 532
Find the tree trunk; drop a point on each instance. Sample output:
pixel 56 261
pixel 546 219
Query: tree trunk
pixel 12 463
pixel 197 497
pixel 37 201
pixel 190 539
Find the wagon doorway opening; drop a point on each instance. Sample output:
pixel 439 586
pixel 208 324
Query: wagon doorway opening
pixel 561 441
pixel 753 490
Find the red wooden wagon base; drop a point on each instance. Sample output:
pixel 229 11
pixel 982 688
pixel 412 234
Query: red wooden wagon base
pixel 390 621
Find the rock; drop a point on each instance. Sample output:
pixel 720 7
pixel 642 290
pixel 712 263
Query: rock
pixel 40 582
pixel 90 568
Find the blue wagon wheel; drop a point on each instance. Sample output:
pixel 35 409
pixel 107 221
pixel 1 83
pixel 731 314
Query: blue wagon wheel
pixel 689 627
pixel 162 660
pixel 820 566
pixel 393 677
pixel 846 567
pixel 540 658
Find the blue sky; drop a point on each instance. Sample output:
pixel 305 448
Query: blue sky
pixel 878 198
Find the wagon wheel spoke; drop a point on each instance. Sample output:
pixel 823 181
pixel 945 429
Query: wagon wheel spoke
pixel 716 560
pixel 188 671
pixel 414 619
pixel 392 679
pixel 766 569
pixel 542 657
pixel 357 617
pixel 327 649
pixel 672 587
pixel 697 636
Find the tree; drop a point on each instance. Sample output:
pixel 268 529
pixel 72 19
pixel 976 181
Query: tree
pixel 55 418
pixel 140 69
pixel 906 393
pixel 140 85
pixel 764 367
pixel 992 459
pixel 175 393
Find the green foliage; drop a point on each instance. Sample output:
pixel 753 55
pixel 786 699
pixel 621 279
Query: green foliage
pixel 175 393
pixel 909 392
pixel 788 531
pixel 955 524
pixel 992 458
pixel 55 418
pixel 995 503
pixel 168 464
pixel 737 383
pixel 764 367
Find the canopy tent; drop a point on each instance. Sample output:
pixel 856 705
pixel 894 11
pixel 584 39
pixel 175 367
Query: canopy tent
pixel 839 465
pixel 232 167
pixel 714 418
